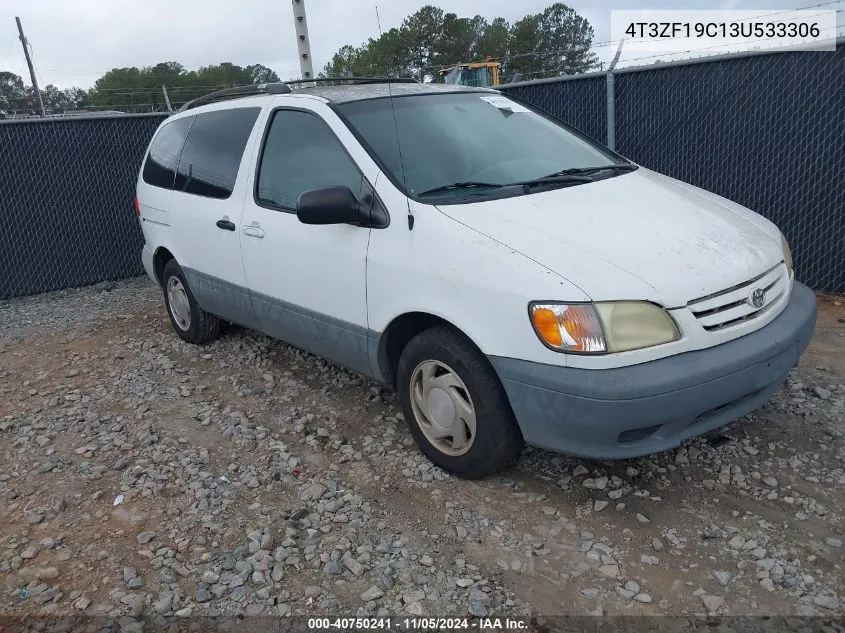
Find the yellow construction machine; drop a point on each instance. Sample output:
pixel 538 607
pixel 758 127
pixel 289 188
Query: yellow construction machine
pixel 484 74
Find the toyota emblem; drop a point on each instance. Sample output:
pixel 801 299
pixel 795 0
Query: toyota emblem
pixel 758 297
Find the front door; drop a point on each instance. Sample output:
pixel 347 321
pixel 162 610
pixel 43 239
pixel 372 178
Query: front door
pixel 308 282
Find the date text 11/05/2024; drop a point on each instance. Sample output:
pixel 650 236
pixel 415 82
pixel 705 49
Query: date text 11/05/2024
pixel 417 624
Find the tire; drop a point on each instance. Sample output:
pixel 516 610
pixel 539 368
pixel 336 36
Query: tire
pixel 456 374
pixel 191 322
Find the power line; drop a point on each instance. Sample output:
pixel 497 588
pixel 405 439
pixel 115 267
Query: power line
pixel 811 6
pixel 60 71
pixel 9 50
pixel 157 89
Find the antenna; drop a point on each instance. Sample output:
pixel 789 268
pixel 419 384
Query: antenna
pixel 396 127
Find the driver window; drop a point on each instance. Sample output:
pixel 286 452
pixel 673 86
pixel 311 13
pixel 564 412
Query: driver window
pixel 301 153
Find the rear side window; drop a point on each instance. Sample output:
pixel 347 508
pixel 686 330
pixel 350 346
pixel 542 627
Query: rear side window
pixel 160 168
pixel 208 165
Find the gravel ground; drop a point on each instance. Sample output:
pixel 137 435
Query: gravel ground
pixel 144 480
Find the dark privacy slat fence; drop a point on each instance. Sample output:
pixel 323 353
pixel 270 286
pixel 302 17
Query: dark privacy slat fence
pixel 767 131
pixel 66 201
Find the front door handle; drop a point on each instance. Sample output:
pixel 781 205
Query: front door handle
pixel 226 225
pixel 253 230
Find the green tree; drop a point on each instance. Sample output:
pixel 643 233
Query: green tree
pixel 457 40
pixel 421 33
pixel 493 41
pixel 345 61
pixel 388 55
pixel 554 42
pixel 13 93
pixel 565 42
pixel 523 45
pixel 57 101
pixel 15 96
pixel 385 56
pixel 261 74
pixel 127 89
pixel 140 89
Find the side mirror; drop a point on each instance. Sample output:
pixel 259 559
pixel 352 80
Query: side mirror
pixel 329 205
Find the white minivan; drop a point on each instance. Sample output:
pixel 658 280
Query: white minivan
pixel 515 281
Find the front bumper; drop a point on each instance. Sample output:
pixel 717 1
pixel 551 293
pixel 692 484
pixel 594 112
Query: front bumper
pixel 650 407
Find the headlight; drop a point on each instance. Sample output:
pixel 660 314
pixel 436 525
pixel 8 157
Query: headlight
pixel 787 254
pixel 590 328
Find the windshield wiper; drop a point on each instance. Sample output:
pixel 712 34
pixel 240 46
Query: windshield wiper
pixel 552 179
pixel 469 184
pixel 590 170
pixel 572 176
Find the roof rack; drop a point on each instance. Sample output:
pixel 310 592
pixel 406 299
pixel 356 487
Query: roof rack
pixel 284 87
pixel 276 88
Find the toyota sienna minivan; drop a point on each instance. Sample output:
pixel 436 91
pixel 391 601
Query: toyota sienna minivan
pixel 513 280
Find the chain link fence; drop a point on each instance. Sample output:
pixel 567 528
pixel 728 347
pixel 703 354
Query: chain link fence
pixel 66 201
pixel 764 130
pixel 767 131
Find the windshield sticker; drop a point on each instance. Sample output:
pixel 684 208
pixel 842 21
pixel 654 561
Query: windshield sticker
pixel 503 103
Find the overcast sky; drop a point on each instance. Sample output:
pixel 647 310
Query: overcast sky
pixel 75 41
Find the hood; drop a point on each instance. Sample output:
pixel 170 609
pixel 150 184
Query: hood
pixel 639 235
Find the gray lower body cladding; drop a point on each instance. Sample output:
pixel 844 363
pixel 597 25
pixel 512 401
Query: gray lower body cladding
pixel 345 343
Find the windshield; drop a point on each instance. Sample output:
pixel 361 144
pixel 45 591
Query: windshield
pixel 476 137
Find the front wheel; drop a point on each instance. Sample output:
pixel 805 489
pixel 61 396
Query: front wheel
pixel 456 407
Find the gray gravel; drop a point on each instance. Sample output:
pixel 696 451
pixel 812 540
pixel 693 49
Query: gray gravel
pixel 145 478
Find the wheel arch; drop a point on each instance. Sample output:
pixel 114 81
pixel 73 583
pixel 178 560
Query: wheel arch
pixel 399 333
pixel 161 256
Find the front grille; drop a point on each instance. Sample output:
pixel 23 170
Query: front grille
pixel 734 305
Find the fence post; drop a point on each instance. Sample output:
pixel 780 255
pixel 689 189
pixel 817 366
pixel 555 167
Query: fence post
pixel 611 111
pixel 166 98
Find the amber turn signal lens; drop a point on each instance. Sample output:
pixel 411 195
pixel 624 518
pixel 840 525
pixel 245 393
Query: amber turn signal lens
pixel 545 321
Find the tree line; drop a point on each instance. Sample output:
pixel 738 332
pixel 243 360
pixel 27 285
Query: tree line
pixel 132 89
pixel 15 96
pixel 553 42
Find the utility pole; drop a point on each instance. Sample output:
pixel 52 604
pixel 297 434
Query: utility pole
pixel 302 42
pixel 29 63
